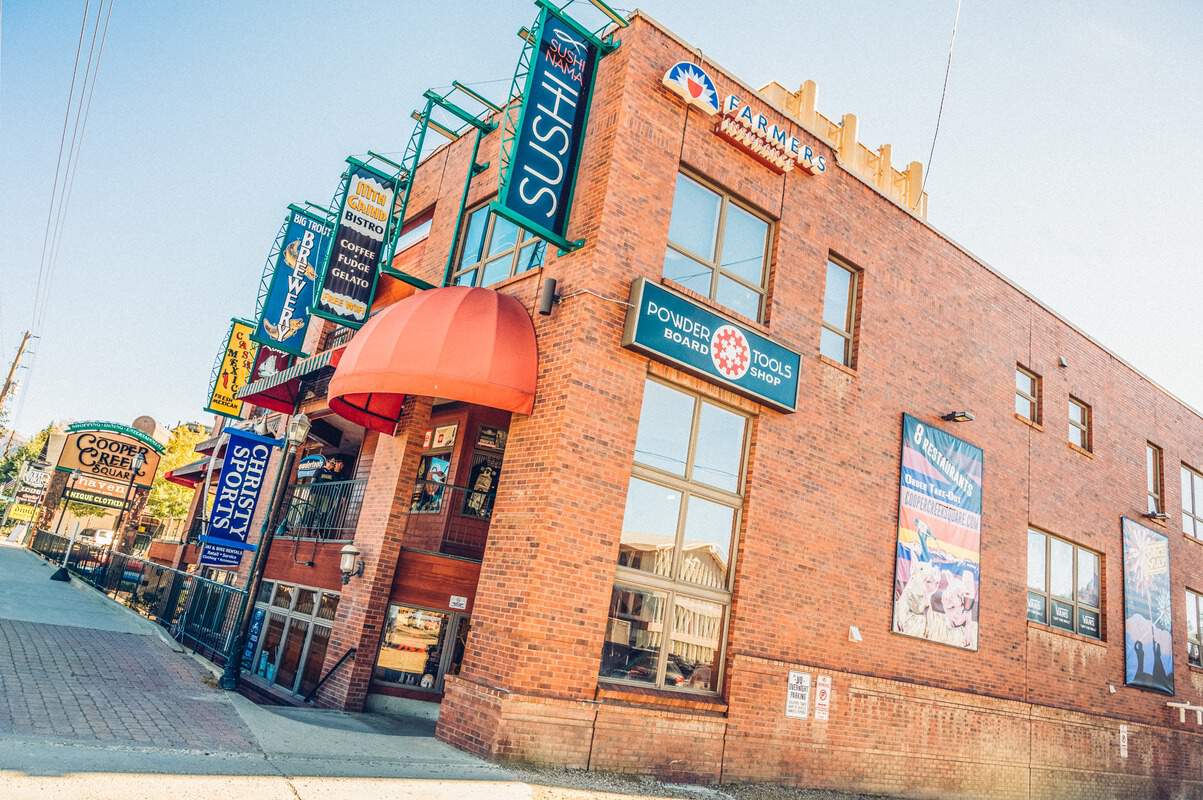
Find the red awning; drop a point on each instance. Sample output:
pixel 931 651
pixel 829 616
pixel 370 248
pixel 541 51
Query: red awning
pixel 457 343
pixel 189 475
pixel 279 392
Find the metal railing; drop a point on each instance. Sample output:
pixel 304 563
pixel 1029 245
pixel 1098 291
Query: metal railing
pixel 450 519
pixel 323 510
pixel 196 611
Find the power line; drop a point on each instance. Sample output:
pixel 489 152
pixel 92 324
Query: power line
pixel 944 91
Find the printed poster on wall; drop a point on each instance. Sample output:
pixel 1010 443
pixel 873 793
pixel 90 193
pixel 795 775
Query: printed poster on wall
pixel 1148 638
pixel 348 281
pixel 237 361
pixel 936 576
pixel 284 318
pixel 242 473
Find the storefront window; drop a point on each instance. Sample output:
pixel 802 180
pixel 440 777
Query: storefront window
pixel 295 634
pixel 682 513
pixel 419 647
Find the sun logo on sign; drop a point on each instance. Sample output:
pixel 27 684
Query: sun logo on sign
pixel 693 85
pixel 730 353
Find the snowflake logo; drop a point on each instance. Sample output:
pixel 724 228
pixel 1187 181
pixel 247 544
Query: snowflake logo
pixel 730 353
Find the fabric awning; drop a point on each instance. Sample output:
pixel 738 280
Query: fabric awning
pixel 189 475
pixel 279 392
pixel 457 343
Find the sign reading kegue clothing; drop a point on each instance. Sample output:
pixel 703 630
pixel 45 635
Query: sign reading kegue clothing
pixel 1148 629
pixel 234 372
pixel 672 328
pixel 348 280
pixel 242 474
pixel 938 554
pixel 284 318
pixel 536 190
pixel 97 492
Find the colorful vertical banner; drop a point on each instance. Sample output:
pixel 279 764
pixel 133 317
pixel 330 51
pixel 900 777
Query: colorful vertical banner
pixel 233 372
pixel 242 474
pixel 536 190
pixel 284 318
pixel 936 577
pixel 348 281
pixel 1148 637
pixel 268 362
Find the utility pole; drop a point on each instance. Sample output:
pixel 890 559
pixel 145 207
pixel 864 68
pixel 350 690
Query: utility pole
pixel 12 370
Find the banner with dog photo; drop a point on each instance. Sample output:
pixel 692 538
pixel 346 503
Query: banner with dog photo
pixel 937 577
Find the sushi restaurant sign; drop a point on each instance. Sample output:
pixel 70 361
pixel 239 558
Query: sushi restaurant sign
pixel 672 328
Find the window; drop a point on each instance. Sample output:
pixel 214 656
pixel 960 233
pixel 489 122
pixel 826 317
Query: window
pixel 839 311
pixel 672 593
pixel 1194 605
pixel 493 249
pixel 418 647
pixel 414 231
pixel 1192 502
pixel 1153 478
pixel 1063 585
pixel 1027 395
pixel 717 248
pixel 1079 424
pixel 289 634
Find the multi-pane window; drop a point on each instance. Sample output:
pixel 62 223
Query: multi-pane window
pixel 672 589
pixel 839 314
pixel 1079 424
pixel 493 249
pixel 414 231
pixel 1027 394
pixel 1194 605
pixel 1153 473
pixel 1192 502
pixel 290 630
pixel 1063 585
pixel 717 248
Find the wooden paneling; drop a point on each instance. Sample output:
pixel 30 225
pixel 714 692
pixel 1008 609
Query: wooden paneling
pixel 287 563
pixel 429 580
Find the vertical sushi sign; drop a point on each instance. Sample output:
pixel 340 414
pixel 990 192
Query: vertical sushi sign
pixel 347 284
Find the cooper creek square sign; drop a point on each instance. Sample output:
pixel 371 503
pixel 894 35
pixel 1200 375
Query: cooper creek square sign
pixel 670 327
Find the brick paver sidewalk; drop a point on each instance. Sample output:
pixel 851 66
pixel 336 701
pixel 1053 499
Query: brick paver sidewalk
pixel 58 681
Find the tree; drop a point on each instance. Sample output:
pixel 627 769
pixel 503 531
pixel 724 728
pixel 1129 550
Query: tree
pixel 11 463
pixel 168 500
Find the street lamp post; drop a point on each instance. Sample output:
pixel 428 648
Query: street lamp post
pixel 298 432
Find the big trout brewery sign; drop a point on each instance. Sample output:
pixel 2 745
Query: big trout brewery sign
pixel 284 317
pixel 766 140
pixel 669 327
pixel 242 474
pixel 104 451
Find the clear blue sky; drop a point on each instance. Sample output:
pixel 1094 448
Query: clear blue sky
pixel 1066 156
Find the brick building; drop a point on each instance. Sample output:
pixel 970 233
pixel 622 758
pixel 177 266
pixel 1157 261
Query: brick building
pixel 624 573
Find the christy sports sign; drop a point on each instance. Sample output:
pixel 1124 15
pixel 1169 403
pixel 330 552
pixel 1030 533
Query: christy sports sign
pixel 938 554
pixel 233 372
pixel 674 329
pixel 536 190
pixel 242 474
pixel 348 281
pixel 284 317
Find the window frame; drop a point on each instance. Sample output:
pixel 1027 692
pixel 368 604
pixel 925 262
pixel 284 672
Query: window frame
pixel 1086 426
pixel 673 586
pixel 1035 402
pixel 288 614
pixel 851 317
pixel 414 223
pixel 715 265
pixel 1192 510
pixel 1197 659
pixel 524 240
pixel 1047 592
pixel 1154 475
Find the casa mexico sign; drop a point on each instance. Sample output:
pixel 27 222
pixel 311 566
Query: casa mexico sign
pixel 672 328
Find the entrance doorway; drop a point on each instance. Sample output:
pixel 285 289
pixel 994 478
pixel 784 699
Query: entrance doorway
pixel 419 648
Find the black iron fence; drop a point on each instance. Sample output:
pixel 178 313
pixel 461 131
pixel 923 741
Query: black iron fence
pixel 323 510
pixel 198 612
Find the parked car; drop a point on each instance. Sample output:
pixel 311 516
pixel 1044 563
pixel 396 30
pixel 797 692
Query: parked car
pixel 101 537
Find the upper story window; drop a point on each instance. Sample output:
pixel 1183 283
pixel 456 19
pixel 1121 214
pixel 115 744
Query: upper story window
pixel 839 313
pixel 672 590
pixel 1194 606
pixel 493 249
pixel 414 231
pixel 1063 585
pixel 1192 502
pixel 718 248
pixel 1080 433
pixel 1027 394
pixel 1153 478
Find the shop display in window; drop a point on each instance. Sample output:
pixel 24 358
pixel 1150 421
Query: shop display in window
pixel 482 485
pixel 432 479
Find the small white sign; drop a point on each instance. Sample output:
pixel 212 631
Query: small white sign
pixel 797 698
pixel 1123 741
pixel 458 603
pixel 822 697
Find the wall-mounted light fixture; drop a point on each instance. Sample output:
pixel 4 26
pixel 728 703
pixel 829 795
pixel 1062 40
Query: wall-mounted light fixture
pixel 959 416
pixel 349 562
pixel 548 296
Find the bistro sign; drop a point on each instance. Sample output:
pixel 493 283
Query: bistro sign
pixel 671 328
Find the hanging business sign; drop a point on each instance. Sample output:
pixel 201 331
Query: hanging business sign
pixel 21 512
pixel 536 189
pixel 269 362
pixel 34 479
pixel 348 281
pixel 671 328
pixel 234 371
pixel 97 492
pixel 242 474
pixel 105 451
pixel 284 318
pixel 1148 635
pixel 938 554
